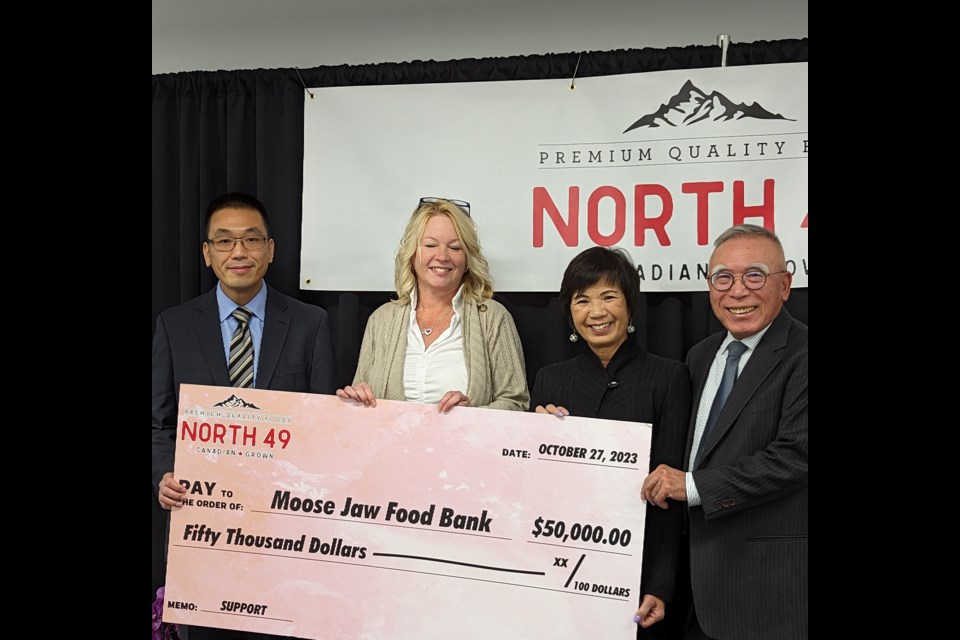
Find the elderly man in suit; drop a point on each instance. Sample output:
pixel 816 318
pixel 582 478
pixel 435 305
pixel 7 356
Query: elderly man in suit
pixel 745 482
pixel 273 341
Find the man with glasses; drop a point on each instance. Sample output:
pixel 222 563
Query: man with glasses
pixel 242 333
pixel 745 482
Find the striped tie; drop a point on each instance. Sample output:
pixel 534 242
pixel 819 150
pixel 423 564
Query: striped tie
pixel 240 364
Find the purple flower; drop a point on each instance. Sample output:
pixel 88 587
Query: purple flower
pixel 162 630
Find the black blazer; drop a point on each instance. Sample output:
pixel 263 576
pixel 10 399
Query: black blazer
pixel 748 539
pixel 296 354
pixel 649 389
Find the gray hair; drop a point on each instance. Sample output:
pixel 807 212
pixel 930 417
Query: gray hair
pixel 750 230
pixel 739 230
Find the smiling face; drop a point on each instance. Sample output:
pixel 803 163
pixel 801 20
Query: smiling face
pixel 599 314
pixel 440 261
pixel 240 270
pixel 744 311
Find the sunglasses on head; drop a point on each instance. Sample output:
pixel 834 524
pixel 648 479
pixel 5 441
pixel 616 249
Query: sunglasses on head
pixel 463 204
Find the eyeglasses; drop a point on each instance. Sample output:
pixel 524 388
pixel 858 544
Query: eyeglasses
pixel 463 204
pixel 227 243
pixel 751 280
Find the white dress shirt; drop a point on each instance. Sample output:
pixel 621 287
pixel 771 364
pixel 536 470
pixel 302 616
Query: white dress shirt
pixel 429 372
pixel 709 393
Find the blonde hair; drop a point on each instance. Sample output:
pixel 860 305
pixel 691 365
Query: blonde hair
pixel 477 283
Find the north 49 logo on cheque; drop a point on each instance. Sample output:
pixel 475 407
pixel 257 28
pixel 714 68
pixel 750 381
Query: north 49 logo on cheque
pixel 233 425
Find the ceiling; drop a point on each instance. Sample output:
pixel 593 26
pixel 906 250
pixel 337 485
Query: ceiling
pixel 208 35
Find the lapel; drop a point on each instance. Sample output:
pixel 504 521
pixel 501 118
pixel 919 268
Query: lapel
pixel 699 365
pixel 276 324
pixel 399 325
pixel 591 378
pixel 764 360
pixel 207 325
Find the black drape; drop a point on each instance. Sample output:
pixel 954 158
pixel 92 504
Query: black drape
pixel 222 131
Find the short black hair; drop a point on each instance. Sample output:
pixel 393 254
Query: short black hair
pixel 600 264
pixel 236 200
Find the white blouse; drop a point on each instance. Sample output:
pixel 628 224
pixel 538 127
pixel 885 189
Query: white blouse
pixel 429 372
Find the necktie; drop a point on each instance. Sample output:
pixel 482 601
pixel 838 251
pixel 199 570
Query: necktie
pixel 240 364
pixel 734 351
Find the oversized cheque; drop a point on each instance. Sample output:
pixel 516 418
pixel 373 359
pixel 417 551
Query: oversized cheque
pixel 317 518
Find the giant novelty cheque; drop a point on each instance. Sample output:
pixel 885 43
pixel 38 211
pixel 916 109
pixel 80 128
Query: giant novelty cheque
pixel 314 517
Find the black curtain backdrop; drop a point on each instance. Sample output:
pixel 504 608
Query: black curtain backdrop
pixel 222 131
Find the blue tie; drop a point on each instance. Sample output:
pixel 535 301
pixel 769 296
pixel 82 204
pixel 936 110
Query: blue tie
pixel 734 351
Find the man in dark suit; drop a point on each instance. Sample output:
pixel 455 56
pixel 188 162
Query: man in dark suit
pixel 746 479
pixel 292 343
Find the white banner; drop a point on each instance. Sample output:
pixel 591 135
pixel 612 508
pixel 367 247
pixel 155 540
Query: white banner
pixel 657 163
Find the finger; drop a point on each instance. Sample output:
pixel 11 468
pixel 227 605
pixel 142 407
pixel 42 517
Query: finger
pixel 555 410
pixel 168 501
pixel 360 393
pixel 348 393
pixel 173 487
pixel 442 405
pixel 647 494
pixel 366 395
pixel 650 611
pixel 651 618
pixel 661 494
pixel 646 490
pixel 449 400
pixel 540 409
pixel 656 493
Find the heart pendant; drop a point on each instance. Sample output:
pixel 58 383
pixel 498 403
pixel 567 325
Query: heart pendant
pixel 426 332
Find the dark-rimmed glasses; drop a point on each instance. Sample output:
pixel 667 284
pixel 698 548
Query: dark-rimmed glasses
pixel 751 280
pixel 463 204
pixel 227 243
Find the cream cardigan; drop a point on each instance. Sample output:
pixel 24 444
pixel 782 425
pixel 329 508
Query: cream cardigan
pixel 496 375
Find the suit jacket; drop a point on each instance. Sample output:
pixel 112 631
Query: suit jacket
pixel 649 389
pixel 748 538
pixel 296 354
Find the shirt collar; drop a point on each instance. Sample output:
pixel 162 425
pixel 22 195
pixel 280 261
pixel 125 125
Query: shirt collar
pixel 257 306
pixel 457 300
pixel 750 341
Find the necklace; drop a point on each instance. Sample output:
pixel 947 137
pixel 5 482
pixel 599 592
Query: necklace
pixel 429 330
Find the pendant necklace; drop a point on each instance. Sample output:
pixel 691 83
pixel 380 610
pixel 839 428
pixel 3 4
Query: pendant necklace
pixel 429 330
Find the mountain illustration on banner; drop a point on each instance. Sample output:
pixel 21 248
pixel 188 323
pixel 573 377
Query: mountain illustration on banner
pixel 691 105
pixel 234 401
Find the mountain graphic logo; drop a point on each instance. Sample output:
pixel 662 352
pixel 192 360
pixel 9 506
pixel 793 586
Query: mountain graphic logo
pixel 234 402
pixel 691 105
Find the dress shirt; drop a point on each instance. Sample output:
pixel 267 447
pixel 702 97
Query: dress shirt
pixel 429 372
pixel 709 393
pixel 228 324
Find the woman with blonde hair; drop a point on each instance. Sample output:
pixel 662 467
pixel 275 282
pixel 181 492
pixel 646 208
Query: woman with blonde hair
pixel 444 340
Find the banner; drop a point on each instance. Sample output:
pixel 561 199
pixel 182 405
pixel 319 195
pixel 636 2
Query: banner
pixel 659 163
pixel 317 518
